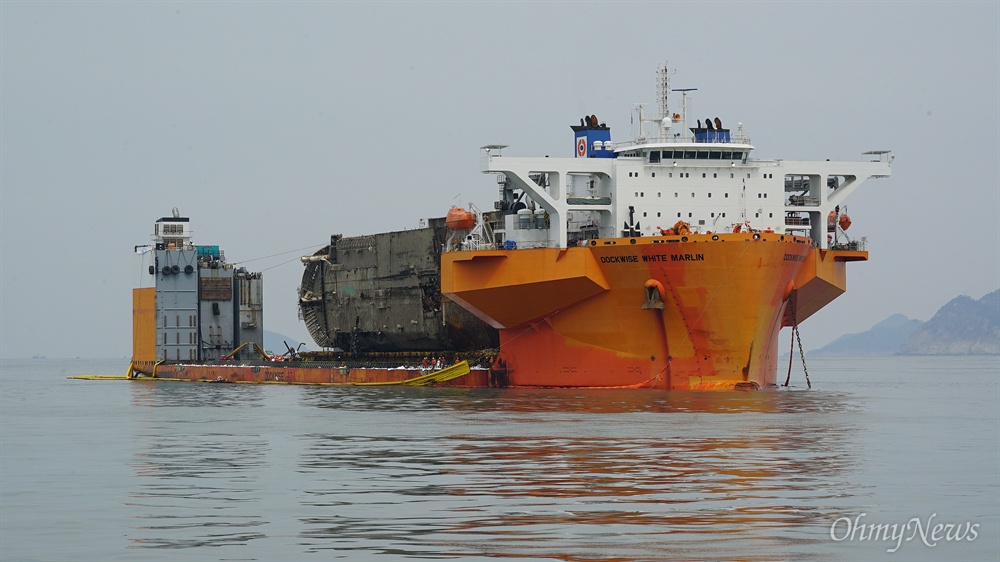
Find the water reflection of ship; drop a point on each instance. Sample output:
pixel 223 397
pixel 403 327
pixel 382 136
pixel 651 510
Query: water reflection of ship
pixel 676 465
pixel 581 401
pixel 190 475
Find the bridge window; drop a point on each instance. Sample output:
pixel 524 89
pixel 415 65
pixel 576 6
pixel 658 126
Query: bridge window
pixel 715 155
pixel 702 155
pixel 727 155
pixel 654 156
pixel 689 154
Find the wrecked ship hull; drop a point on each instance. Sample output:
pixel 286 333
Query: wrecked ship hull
pixel 382 293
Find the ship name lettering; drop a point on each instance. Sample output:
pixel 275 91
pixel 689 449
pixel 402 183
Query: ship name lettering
pixel 794 257
pixel 619 259
pixel 656 257
pixel 687 257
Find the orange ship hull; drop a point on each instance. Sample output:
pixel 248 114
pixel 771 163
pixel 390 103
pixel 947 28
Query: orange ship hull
pixel 673 312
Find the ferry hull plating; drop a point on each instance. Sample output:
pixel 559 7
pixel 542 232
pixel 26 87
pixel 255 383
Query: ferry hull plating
pixel 694 312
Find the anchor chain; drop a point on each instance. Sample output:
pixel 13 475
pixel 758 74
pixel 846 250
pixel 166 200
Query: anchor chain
pixel 791 352
pixel 803 354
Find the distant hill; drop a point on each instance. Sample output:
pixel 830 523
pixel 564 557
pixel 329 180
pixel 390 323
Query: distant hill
pixel 273 343
pixel 884 338
pixel 962 327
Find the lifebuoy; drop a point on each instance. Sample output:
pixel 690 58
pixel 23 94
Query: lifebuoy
pixel 581 147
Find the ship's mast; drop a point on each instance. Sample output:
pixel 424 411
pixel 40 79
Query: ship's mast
pixel 684 105
pixel 663 94
pixel 663 90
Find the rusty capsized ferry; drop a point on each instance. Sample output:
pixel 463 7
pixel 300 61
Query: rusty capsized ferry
pixel 587 290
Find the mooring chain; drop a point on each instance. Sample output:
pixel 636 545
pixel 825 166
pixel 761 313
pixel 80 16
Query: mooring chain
pixel 802 353
pixel 791 352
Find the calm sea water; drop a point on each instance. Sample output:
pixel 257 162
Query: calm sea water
pixel 121 470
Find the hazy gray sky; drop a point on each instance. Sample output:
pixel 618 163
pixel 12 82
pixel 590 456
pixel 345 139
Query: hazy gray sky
pixel 274 125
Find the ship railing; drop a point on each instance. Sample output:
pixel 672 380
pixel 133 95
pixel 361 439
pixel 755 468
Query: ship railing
pixel 803 201
pixel 734 138
pixel 856 245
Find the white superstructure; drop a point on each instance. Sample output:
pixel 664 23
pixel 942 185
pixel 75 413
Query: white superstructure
pixel 703 176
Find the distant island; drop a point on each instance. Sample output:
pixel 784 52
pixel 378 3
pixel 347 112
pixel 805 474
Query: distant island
pixel 963 326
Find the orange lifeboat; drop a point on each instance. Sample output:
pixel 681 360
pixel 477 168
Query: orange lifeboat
pixel 845 221
pixel 460 219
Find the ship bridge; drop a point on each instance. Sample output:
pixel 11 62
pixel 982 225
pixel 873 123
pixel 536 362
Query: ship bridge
pixel 702 176
pixel 649 187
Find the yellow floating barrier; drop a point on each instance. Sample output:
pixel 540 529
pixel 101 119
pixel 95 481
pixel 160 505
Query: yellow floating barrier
pixel 449 373
pixel 446 374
